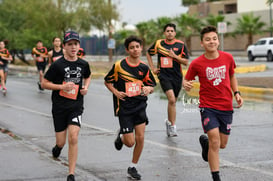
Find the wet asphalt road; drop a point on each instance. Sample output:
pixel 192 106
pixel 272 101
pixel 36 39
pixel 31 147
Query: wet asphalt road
pixel 27 113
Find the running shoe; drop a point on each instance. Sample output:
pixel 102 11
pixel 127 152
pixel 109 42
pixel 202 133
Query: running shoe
pixel 39 86
pixel 133 174
pixel 4 91
pixel 168 127
pixel 70 177
pixel 118 142
pixel 204 142
pixel 56 151
pixel 173 131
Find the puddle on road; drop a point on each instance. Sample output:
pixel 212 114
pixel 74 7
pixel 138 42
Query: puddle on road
pixel 190 103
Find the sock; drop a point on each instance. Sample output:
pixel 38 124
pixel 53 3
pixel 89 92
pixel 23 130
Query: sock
pixel 133 165
pixel 59 148
pixel 215 176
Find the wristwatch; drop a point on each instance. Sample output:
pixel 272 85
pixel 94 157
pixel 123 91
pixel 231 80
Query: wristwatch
pixel 237 92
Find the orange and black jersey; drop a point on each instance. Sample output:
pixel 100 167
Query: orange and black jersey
pixel 4 53
pixel 123 74
pixel 170 69
pixel 81 53
pixel 38 52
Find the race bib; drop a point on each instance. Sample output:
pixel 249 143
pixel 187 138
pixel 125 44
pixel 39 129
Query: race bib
pixel 133 88
pixel 39 59
pixel 72 94
pixel 166 62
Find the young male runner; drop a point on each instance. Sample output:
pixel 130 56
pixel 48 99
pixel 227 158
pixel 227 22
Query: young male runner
pixel 69 78
pixel 5 57
pixel 57 51
pixel 215 71
pixel 39 54
pixel 171 53
pixel 131 81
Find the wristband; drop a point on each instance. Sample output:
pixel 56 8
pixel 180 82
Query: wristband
pixel 237 92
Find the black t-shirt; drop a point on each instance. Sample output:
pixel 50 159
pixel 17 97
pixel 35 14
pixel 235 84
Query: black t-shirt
pixel 161 48
pixel 56 55
pixel 63 70
pixel 123 73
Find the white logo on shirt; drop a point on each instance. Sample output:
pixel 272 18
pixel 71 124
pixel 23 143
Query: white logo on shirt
pixel 72 75
pixel 217 73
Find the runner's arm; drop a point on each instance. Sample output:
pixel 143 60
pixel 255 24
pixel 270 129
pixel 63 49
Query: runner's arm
pixel 119 94
pixel 84 88
pixel 46 84
pixel 234 87
pixel 151 64
pixel 181 60
pixel 187 84
pixel 50 54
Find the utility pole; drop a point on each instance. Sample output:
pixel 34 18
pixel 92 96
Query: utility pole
pixel 110 29
pixel 270 16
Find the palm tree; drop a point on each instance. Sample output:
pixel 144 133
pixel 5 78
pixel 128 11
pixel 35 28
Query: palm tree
pixel 250 25
pixel 188 26
pixel 215 19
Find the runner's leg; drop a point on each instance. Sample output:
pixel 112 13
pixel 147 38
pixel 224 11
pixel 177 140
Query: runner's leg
pixel 139 137
pixel 73 132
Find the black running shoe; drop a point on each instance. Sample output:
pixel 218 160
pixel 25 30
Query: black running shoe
pixel 118 142
pixel 39 86
pixel 204 142
pixel 70 177
pixel 133 174
pixel 56 151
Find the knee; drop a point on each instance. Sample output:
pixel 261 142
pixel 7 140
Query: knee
pixel 129 143
pixel 223 145
pixel 73 139
pixel 140 139
pixel 214 144
pixel 172 101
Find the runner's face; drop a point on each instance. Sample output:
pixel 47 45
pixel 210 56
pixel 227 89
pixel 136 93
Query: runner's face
pixel 2 45
pixel 39 44
pixel 57 42
pixel 169 33
pixel 134 49
pixel 72 48
pixel 210 42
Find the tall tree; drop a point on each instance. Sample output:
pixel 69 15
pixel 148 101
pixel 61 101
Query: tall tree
pixel 215 19
pixel 250 25
pixel 23 22
pixel 187 26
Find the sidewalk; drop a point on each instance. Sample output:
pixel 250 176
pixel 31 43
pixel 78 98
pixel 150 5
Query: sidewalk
pixel 21 160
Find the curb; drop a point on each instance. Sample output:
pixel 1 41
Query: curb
pixel 248 93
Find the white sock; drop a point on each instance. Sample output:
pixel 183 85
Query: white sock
pixel 133 165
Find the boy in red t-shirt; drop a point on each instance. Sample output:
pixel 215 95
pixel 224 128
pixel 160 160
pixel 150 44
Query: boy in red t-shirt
pixel 215 70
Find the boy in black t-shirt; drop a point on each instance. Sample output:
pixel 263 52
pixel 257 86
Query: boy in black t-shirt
pixel 68 78
pixel 131 81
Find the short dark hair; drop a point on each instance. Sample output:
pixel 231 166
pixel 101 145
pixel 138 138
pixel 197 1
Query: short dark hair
pixel 55 37
pixel 131 39
pixel 39 41
pixel 169 25
pixel 207 29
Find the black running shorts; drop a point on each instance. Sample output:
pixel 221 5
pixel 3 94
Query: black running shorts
pixel 128 122
pixel 174 85
pixel 41 66
pixel 64 117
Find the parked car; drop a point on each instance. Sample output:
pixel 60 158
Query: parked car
pixel 262 48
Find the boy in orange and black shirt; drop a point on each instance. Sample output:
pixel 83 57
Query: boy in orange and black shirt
pixel 39 54
pixel 5 57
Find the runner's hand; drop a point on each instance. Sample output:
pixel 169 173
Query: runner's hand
pixel 68 86
pixel 239 100
pixel 146 90
pixel 83 90
pixel 188 85
pixel 156 71
pixel 120 95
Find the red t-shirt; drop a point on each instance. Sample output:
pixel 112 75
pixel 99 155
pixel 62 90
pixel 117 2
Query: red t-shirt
pixel 214 77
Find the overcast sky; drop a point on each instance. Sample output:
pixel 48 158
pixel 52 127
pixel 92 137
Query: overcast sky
pixel 135 11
